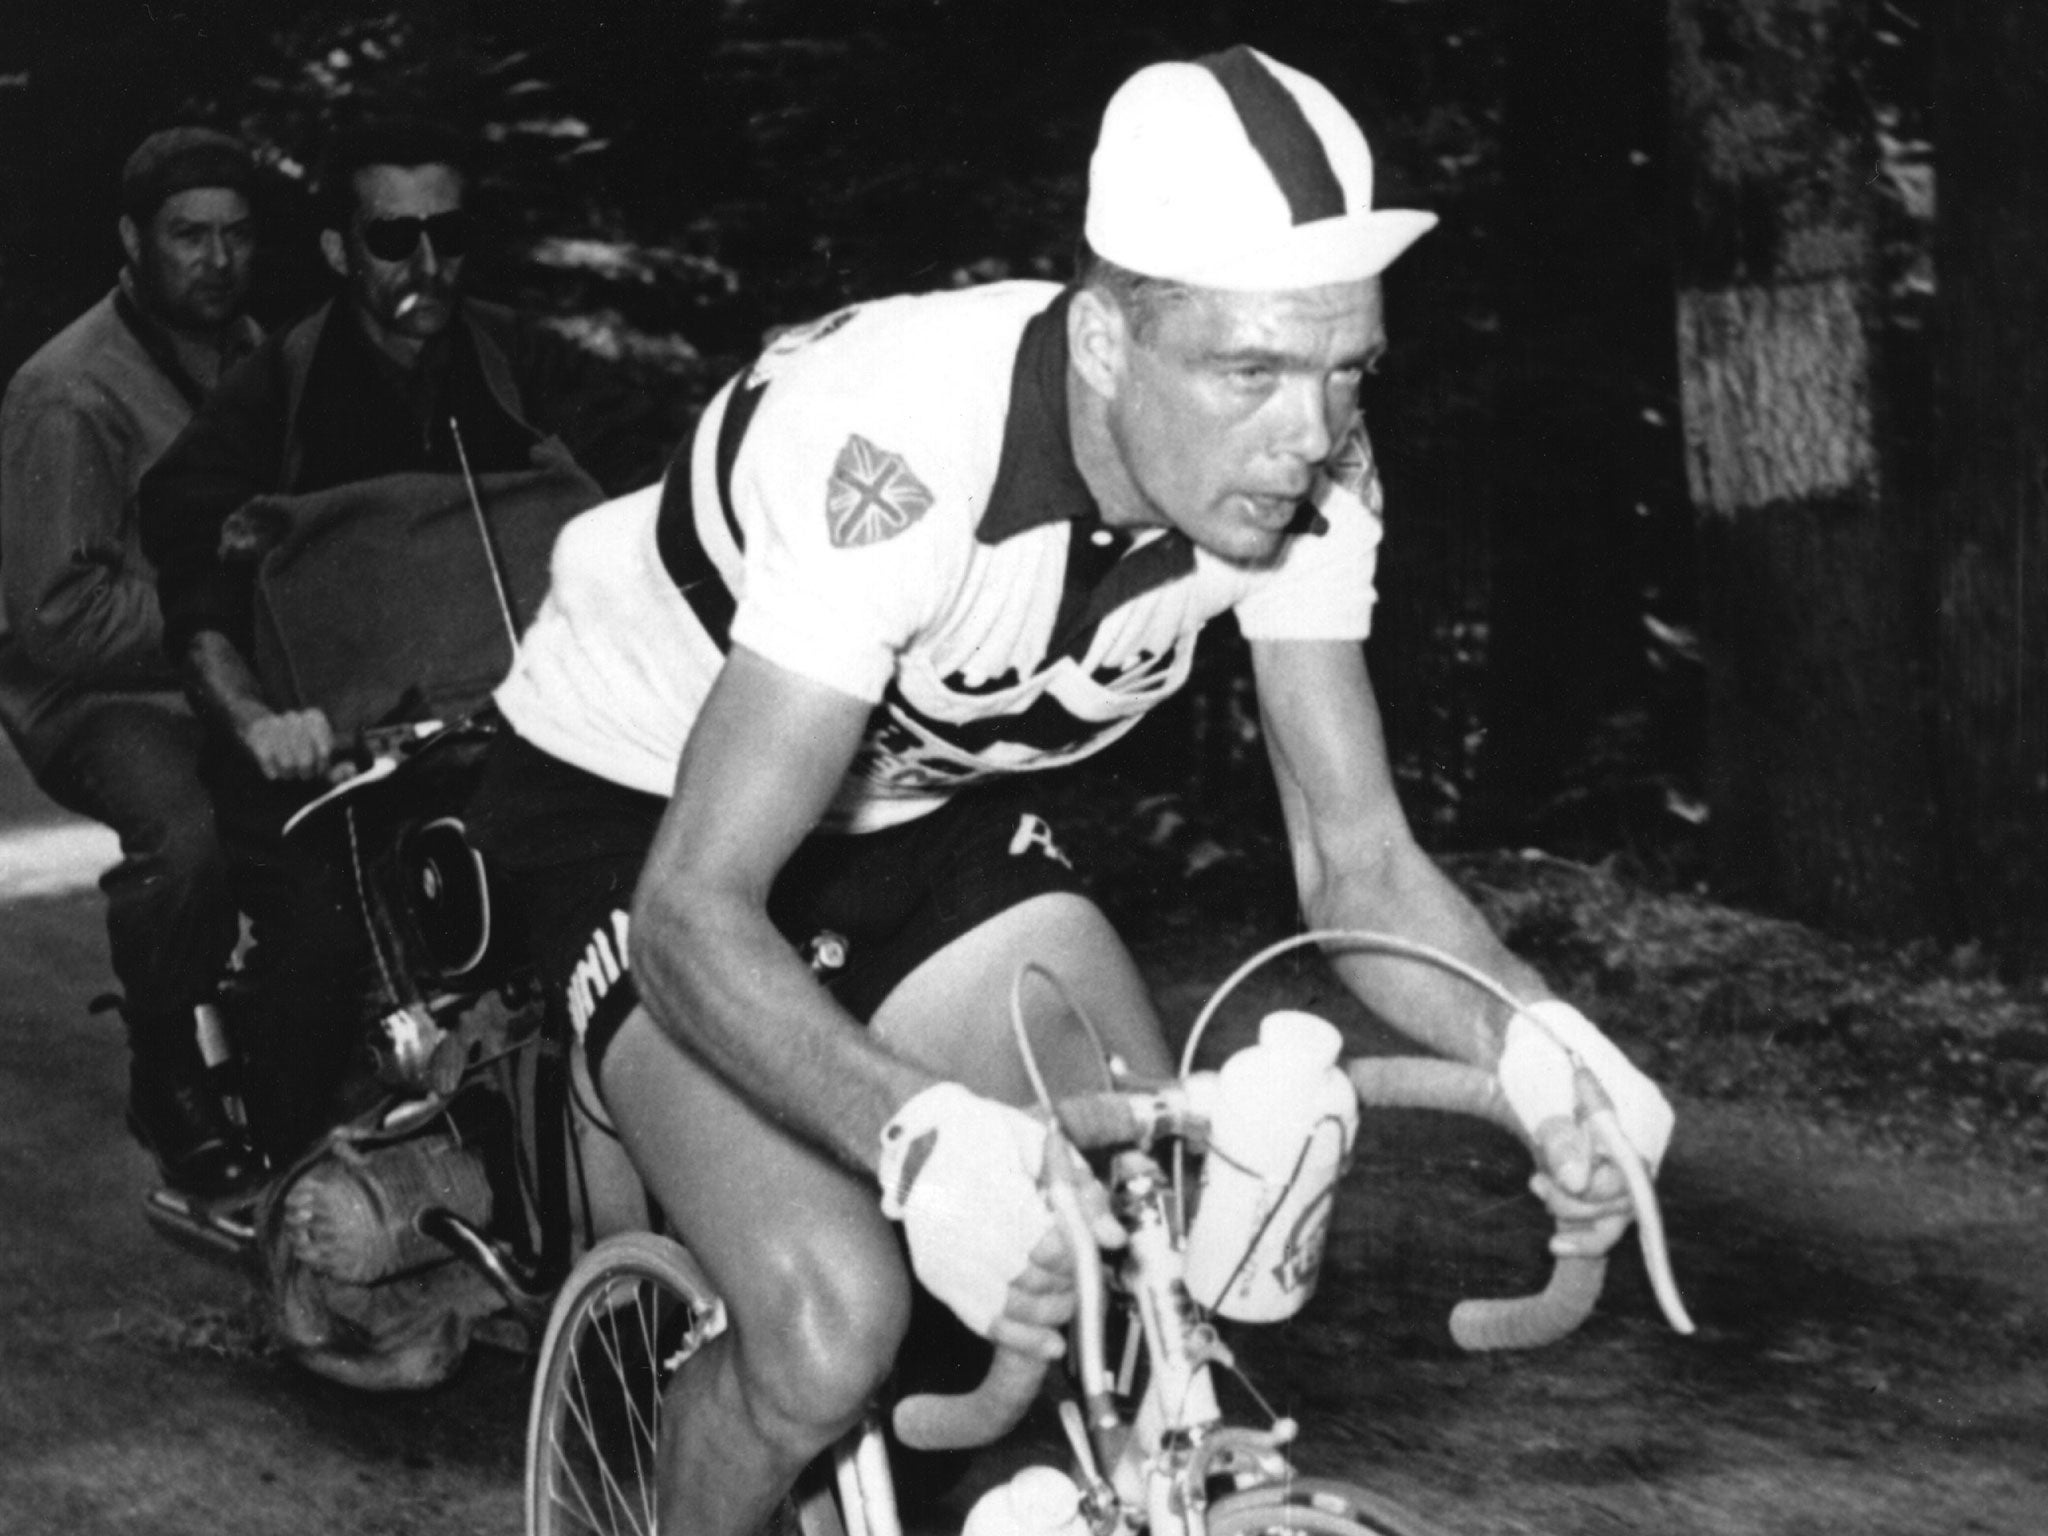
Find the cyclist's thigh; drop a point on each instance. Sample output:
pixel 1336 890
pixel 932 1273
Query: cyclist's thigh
pixel 770 1219
pixel 953 1012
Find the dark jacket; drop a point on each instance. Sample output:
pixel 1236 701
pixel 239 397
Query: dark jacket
pixel 360 416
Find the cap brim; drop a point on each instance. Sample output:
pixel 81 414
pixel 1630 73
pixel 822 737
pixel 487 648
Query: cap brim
pixel 1343 250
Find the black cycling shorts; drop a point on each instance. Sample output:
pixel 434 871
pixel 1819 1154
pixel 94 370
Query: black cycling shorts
pixel 873 907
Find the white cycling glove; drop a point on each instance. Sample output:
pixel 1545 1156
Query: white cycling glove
pixel 1536 1076
pixel 961 1173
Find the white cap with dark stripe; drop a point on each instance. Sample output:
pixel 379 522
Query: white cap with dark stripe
pixel 1238 172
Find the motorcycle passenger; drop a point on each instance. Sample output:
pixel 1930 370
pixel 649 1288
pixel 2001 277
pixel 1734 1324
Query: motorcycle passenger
pixel 345 446
pixel 915 548
pixel 87 695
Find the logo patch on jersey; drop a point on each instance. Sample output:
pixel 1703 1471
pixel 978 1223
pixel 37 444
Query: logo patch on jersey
pixel 1352 467
pixel 872 495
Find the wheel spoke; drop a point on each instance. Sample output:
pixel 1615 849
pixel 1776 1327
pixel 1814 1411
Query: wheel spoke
pixel 633 1310
pixel 607 1329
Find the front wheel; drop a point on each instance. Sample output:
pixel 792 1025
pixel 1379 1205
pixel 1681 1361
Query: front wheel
pixel 1314 1506
pixel 632 1311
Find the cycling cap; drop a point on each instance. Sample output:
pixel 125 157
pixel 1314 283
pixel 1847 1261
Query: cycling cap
pixel 1238 172
pixel 176 160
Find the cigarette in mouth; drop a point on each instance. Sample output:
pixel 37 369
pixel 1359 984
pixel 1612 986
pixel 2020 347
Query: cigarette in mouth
pixel 407 305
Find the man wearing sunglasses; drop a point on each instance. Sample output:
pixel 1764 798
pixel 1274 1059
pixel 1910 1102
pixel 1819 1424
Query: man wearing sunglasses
pixel 326 501
pixel 86 693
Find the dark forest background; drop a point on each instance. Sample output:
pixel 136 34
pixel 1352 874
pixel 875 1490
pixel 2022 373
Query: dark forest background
pixel 670 180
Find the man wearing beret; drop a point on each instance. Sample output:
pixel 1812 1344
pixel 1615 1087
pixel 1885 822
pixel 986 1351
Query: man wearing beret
pixel 915 549
pixel 87 694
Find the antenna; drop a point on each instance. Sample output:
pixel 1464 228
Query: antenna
pixel 483 533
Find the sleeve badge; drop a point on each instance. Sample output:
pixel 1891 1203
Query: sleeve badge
pixel 872 495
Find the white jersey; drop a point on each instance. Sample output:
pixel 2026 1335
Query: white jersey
pixel 886 503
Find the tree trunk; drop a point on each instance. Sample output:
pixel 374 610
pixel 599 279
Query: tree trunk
pixel 1820 759
pixel 1991 246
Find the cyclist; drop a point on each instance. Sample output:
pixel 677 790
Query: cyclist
pixel 914 548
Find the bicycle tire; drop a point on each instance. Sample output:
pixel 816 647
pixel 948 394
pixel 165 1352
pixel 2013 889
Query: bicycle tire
pixel 1314 1506
pixel 630 1313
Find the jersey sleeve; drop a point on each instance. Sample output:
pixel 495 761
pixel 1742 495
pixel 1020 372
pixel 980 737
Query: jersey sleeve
pixel 842 503
pixel 1325 587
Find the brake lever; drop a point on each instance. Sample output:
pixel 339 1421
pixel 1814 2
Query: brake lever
pixel 1600 1119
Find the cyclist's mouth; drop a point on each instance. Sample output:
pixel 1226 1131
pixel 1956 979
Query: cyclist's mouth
pixel 1270 512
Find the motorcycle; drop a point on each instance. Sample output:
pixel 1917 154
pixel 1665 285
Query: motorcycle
pixel 446 1207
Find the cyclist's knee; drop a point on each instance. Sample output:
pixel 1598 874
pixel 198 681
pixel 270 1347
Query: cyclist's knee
pixel 817 1337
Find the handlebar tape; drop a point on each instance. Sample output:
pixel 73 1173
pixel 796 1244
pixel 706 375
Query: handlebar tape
pixel 1529 1322
pixel 933 1421
pixel 1523 1322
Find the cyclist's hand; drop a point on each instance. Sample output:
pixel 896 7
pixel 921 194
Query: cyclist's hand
pixel 962 1174
pixel 293 745
pixel 1536 1076
pixel 1590 1223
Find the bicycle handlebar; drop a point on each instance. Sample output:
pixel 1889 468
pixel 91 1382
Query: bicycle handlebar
pixel 1522 1322
pixel 932 1421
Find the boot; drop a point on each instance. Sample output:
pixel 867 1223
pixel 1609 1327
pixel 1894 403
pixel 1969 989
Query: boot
pixel 175 1113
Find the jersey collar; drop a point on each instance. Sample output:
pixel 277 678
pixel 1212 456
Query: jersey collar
pixel 1038 484
pixel 1037 481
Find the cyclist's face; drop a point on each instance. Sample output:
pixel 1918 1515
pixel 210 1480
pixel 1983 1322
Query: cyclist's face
pixel 192 259
pixel 1222 414
pixel 408 297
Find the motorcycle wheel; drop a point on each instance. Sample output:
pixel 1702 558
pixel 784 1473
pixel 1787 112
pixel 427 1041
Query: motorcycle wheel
pixel 632 1311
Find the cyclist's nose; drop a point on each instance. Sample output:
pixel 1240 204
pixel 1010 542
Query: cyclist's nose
pixel 1304 426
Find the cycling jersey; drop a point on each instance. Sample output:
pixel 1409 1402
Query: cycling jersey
pixel 887 503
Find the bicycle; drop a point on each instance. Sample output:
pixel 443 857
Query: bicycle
pixel 637 1306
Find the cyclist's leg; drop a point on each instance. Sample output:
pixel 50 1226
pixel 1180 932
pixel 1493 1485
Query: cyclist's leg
pixel 1000 892
pixel 810 1271
pixel 952 1013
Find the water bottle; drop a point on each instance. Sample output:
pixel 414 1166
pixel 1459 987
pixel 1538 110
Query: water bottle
pixel 1038 1501
pixel 1281 1129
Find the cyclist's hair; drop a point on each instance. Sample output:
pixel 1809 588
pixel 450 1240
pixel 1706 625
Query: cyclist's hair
pixel 402 141
pixel 1143 300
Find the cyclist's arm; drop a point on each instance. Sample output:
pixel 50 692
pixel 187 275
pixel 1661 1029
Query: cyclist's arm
pixel 1356 863
pixel 765 757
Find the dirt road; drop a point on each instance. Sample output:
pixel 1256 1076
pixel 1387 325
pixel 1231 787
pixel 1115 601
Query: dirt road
pixel 1871 1358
